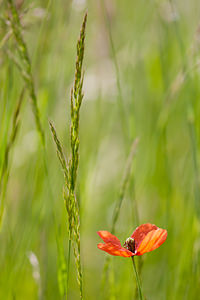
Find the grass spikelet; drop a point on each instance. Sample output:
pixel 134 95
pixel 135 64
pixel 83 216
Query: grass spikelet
pixel 25 63
pixel 70 166
pixel 60 152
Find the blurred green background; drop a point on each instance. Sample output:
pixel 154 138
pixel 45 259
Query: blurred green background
pixel 141 80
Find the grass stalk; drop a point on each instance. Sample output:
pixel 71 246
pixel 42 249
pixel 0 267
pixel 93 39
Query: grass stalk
pixel 122 111
pixel 124 185
pixel 70 166
pixel 5 167
pixel 68 261
pixel 62 272
pixel 178 37
pixel 25 63
pixel 192 135
pixel 190 120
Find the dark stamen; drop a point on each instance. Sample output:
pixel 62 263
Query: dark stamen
pixel 130 244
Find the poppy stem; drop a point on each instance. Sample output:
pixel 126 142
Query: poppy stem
pixel 137 279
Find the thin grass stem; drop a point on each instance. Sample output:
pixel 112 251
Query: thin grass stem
pixel 125 181
pixel 4 175
pixel 25 64
pixel 68 263
pixel 123 189
pixel 120 97
pixel 70 165
pixel 192 134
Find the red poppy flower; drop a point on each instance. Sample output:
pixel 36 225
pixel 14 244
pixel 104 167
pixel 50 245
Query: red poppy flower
pixel 145 238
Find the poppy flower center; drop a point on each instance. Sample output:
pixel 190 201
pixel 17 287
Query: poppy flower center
pixel 130 244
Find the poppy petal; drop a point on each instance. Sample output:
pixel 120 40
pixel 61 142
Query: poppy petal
pixel 141 231
pixel 115 250
pixel 153 240
pixel 107 237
